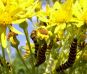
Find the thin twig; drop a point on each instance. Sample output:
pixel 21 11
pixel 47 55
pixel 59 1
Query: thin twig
pixel 22 59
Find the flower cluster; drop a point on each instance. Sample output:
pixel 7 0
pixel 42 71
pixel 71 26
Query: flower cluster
pixel 14 12
pixel 63 15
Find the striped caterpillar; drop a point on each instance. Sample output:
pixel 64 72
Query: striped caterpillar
pixel 40 49
pixel 34 33
pixel 41 54
pixel 33 37
pixel 71 58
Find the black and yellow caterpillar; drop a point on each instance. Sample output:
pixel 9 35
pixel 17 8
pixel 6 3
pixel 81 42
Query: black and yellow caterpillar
pixel 33 37
pixel 40 48
pixel 41 54
pixel 71 58
pixel 34 33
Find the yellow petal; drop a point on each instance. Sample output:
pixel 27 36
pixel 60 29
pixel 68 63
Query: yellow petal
pixel 14 30
pixel 48 9
pixel 12 40
pixel 83 4
pixel 67 5
pixel 1 6
pixel 42 16
pixel 25 3
pixel 57 5
pixel 80 23
pixel 76 10
pixel 3 39
pixel 60 27
pixel 18 21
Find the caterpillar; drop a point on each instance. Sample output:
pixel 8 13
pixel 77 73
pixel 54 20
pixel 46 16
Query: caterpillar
pixel 40 49
pixel 33 37
pixel 71 58
pixel 41 54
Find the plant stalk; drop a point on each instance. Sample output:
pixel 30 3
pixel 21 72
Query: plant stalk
pixel 5 65
pixel 22 59
pixel 28 41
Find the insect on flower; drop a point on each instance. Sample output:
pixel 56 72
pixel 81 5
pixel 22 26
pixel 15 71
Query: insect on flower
pixel 34 37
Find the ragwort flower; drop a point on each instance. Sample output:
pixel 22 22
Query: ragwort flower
pixel 58 15
pixel 14 11
pixel 80 12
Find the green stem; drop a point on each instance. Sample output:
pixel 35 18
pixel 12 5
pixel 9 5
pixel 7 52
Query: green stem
pixel 3 52
pixel 5 66
pixel 28 41
pixel 13 69
pixel 22 59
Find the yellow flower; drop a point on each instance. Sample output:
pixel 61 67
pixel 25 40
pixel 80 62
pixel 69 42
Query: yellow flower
pixel 80 12
pixel 14 11
pixel 83 4
pixel 42 33
pixel 59 30
pixel 61 13
pixel 58 15
pixel 42 16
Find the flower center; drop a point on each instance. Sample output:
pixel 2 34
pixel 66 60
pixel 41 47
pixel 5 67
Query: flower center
pixel 5 19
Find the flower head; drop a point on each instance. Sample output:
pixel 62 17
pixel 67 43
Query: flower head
pixel 59 14
pixel 80 12
pixel 14 11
